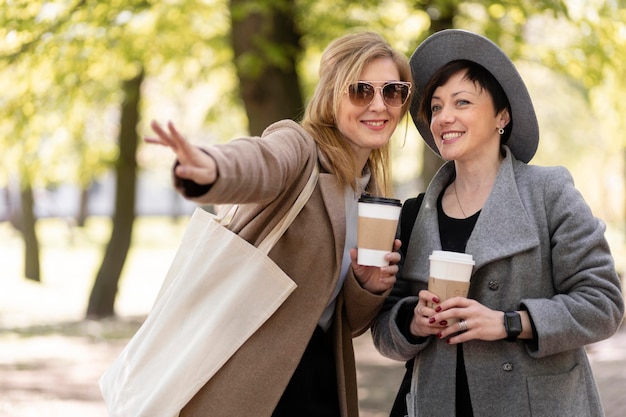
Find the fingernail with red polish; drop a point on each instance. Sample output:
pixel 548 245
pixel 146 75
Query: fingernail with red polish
pixel 436 300
pixel 431 320
pixel 443 323
pixel 439 335
pixel 438 309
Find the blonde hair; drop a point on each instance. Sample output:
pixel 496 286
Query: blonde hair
pixel 342 63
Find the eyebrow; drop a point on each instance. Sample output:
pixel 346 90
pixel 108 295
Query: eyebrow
pixel 456 94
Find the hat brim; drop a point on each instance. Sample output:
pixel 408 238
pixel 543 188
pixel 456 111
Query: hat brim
pixel 454 44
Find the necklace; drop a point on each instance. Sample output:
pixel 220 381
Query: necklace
pixel 457 199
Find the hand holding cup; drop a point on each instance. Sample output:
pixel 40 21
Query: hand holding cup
pixel 450 274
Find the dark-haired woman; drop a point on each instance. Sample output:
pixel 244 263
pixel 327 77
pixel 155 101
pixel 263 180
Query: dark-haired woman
pixel 544 283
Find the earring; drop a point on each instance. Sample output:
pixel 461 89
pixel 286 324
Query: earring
pixel 501 131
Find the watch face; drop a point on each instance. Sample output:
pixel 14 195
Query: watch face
pixel 513 322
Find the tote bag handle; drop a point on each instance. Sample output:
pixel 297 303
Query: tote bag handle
pixel 276 233
pixel 270 240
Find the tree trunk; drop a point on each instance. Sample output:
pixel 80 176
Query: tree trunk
pixel 32 269
pixel 267 46
pixel 104 291
pixel 83 207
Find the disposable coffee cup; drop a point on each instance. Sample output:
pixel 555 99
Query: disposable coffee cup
pixel 450 274
pixel 376 229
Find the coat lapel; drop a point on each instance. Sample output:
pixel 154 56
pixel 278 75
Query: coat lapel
pixel 334 201
pixel 332 196
pixel 503 227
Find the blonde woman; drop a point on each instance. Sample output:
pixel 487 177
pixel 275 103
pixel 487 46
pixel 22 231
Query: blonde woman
pixel 301 362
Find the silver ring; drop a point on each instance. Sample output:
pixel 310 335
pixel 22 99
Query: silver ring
pixel 462 325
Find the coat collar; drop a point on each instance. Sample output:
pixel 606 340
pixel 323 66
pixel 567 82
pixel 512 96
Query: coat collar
pixel 333 198
pixel 503 228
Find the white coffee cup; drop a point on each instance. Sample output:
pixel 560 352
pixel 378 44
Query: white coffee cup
pixel 450 274
pixel 376 232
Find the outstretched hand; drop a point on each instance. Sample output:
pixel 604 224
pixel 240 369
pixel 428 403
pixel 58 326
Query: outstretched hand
pixel 194 164
pixel 377 279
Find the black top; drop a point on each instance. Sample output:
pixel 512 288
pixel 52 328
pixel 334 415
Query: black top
pixel 454 235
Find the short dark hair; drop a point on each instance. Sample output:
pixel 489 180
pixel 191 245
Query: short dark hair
pixel 475 73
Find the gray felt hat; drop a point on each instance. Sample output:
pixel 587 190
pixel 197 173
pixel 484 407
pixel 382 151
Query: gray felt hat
pixel 453 44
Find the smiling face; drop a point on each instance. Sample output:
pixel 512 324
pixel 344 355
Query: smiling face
pixel 464 122
pixel 370 127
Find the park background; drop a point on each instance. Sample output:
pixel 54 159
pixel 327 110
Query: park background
pixel 88 219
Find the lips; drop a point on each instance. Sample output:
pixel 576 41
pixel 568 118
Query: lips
pixel 374 123
pixel 451 135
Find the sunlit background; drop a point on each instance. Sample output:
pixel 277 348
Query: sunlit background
pixel 65 71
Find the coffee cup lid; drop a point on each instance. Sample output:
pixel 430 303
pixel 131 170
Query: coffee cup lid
pixel 379 200
pixel 464 258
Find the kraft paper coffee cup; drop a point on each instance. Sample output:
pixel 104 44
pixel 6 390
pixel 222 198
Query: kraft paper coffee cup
pixel 376 231
pixel 450 274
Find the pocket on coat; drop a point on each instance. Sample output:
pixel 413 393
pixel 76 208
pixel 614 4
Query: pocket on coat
pixel 563 395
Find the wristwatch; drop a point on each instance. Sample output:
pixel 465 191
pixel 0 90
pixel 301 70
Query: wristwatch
pixel 512 324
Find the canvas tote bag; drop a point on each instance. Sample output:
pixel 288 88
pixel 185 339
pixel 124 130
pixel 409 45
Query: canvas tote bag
pixel 217 292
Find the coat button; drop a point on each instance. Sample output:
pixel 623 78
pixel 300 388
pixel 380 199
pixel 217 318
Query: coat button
pixel 493 285
pixel 507 367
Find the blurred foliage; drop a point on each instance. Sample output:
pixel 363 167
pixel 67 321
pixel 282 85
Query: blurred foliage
pixel 62 63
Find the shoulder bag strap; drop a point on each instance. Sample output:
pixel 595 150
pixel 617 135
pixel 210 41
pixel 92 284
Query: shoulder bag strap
pixel 407 218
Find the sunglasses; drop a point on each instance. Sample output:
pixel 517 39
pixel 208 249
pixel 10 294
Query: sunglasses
pixel 394 93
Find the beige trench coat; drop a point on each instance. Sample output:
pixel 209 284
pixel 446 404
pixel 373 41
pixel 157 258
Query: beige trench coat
pixel 268 174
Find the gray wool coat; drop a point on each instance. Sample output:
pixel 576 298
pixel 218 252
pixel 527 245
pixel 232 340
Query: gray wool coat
pixel 265 175
pixel 537 247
